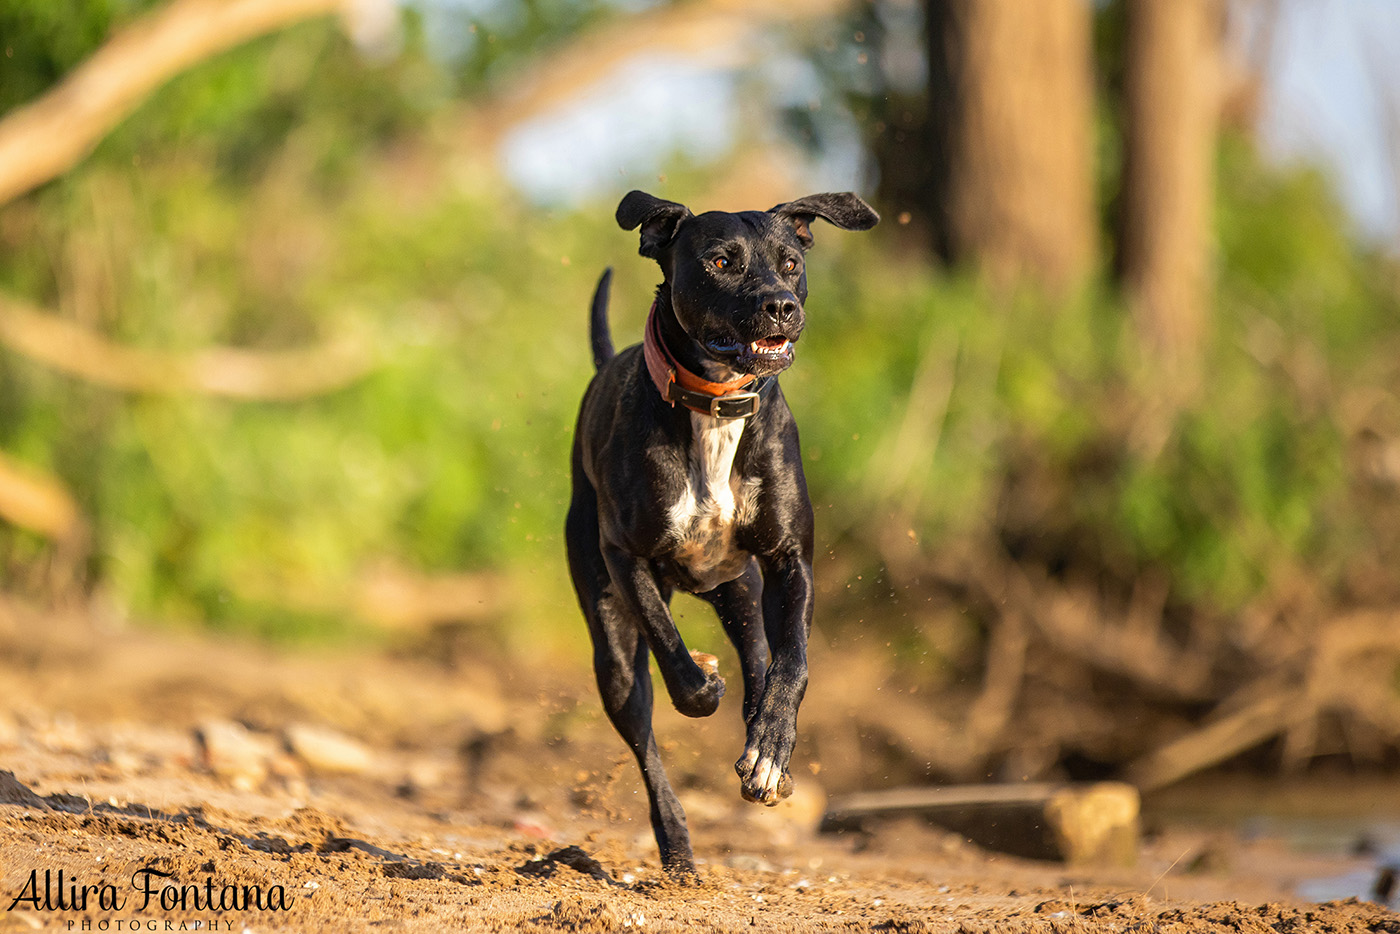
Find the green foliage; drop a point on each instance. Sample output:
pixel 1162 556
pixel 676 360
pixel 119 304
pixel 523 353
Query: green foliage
pixel 1048 431
pixel 447 457
pixel 264 211
pixel 305 86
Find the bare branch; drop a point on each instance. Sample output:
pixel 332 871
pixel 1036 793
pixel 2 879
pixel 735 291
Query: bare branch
pixel 1072 622
pixel 713 31
pixel 45 138
pixel 1222 738
pixel 240 374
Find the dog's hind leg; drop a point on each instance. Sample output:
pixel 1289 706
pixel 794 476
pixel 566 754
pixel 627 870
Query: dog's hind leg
pixel 620 660
pixel 620 663
pixel 739 606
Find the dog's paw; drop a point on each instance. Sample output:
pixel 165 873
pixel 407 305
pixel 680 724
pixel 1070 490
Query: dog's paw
pixel 705 700
pixel 683 875
pixel 761 779
pixel 680 869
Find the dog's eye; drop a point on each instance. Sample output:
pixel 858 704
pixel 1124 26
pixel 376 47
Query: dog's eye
pixel 790 266
pixel 720 262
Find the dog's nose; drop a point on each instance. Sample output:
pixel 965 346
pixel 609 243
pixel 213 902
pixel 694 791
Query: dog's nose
pixel 781 308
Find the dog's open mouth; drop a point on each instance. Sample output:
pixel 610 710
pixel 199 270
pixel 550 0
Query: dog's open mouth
pixel 765 356
pixel 777 344
pixel 762 357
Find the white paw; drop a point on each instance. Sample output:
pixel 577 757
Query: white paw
pixel 765 780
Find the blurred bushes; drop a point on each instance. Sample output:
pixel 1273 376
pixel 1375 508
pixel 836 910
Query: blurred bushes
pixel 1044 432
pixel 289 193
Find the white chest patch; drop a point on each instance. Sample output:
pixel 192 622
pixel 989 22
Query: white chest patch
pixel 714 503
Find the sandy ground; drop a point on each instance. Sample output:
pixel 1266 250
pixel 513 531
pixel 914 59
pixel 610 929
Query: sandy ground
pixel 181 783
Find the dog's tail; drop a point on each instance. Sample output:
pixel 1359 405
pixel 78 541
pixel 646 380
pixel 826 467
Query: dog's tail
pixel 598 331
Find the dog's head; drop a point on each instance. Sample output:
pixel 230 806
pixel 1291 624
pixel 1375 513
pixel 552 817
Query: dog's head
pixel 737 281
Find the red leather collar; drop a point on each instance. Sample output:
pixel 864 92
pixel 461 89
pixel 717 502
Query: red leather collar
pixel 677 384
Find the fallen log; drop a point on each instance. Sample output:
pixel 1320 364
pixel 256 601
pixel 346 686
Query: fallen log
pixel 1078 824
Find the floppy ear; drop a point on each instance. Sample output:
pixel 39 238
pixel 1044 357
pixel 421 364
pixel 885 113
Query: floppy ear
pixel 658 219
pixel 844 209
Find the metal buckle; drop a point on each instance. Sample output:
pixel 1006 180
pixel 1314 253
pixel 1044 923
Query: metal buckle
pixel 737 398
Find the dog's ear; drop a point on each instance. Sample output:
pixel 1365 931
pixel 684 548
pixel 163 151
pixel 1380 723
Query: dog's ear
pixel 844 209
pixel 658 219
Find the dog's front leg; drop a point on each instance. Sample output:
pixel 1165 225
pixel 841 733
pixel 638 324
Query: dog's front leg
pixel 787 619
pixel 694 692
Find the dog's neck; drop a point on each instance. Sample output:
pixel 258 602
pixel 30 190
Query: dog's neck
pixel 686 350
pixel 680 385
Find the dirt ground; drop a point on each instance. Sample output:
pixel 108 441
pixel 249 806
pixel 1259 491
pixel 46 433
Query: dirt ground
pixel 156 781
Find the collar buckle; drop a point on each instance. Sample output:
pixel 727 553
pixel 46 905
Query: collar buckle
pixel 735 405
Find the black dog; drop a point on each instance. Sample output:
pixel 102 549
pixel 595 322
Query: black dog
pixel 687 473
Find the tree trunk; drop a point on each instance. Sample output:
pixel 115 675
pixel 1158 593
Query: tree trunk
pixel 1010 94
pixel 1172 96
